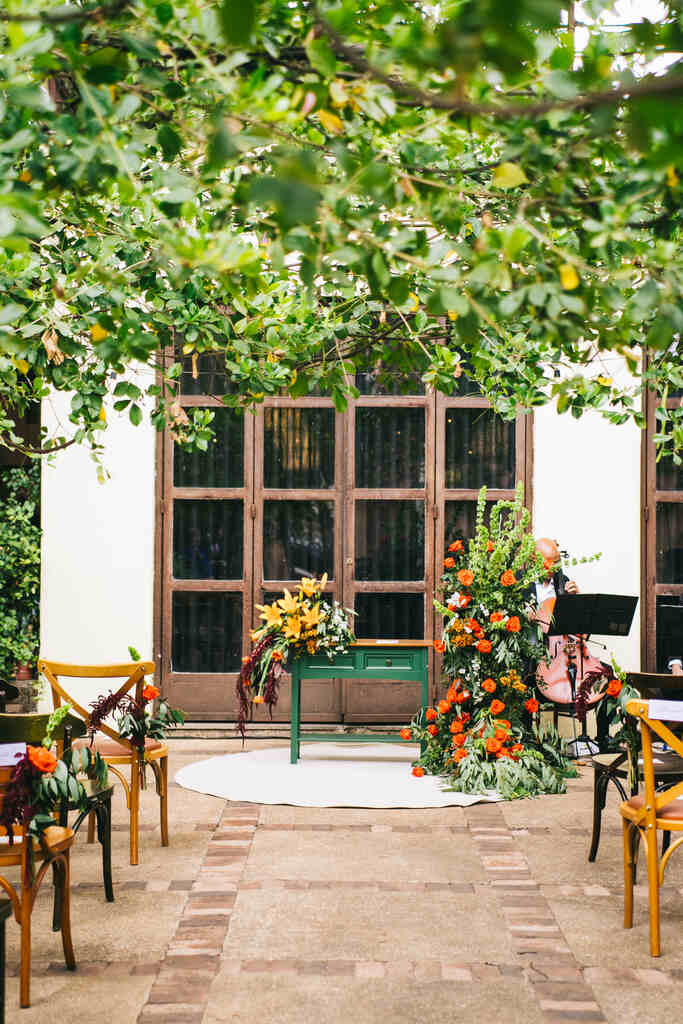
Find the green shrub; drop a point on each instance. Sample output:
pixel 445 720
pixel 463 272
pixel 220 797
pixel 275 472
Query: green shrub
pixel 19 567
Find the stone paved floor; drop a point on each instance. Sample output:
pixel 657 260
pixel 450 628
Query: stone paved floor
pixel 284 914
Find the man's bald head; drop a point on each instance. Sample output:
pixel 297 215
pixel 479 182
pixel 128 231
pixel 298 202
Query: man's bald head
pixel 549 550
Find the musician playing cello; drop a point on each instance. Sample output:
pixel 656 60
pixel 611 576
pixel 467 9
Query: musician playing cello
pixel 556 582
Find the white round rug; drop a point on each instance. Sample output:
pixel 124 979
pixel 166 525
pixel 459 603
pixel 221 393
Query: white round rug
pixel 327 775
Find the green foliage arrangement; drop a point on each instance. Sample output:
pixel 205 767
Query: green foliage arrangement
pixel 302 190
pixel 19 567
pixel 485 734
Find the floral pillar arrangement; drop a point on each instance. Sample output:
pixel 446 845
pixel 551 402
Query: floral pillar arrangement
pixel 486 733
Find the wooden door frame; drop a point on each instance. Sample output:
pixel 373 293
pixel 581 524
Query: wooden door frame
pixel 650 589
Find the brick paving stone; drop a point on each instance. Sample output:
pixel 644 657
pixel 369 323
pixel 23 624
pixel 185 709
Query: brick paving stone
pixel 370 969
pixel 452 972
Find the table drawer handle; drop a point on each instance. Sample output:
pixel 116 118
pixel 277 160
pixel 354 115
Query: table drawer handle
pixel 389 661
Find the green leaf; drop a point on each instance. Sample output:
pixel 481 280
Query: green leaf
pixel 321 57
pixel 170 142
pixel 11 312
pixel 135 415
pixel 237 20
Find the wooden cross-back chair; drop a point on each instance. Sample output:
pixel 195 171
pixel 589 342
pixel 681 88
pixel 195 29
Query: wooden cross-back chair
pixel 643 816
pixel 34 857
pixel 115 750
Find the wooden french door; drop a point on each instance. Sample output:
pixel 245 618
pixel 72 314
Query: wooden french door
pixel 371 496
pixel 662 583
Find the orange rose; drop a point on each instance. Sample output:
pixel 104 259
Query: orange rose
pixel 484 646
pixel 460 754
pixel 497 706
pixel 448 563
pixel 42 759
pixel 508 578
pixel 432 730
pixel 439 646
pixel 462 697
pixel 465 717
pixel 431 714
pixel 614 687
pixel 150 692
pixel 456 546
pixel 531 705
pixel 502 723
pixel 472 624
pixel 513 625
pixel 501 734
pixel 466 577
pixel 460 740
pixel 489 686
pixel 496 617
pixel 464 600
pixel 456 726
pixel 444 706
pixel 517 748
pixel 418 772
pixel 406 734
pixel 493 745
pixel 503 752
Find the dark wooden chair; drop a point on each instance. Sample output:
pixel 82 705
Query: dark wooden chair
pixel 31 729
pixel 612 767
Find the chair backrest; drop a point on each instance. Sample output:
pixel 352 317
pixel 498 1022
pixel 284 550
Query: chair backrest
pixel 31 728
pixel 133 674
pixel 649 683
pixel 656 800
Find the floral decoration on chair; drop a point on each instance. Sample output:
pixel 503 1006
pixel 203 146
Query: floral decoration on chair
pixel 296 624
pixel 40 782
pixel 485 734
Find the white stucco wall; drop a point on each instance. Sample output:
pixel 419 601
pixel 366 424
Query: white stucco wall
pixel 98 546
pixel 587 495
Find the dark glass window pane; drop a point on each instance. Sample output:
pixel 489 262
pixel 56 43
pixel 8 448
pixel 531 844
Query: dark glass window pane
pixel 207 540
pixel 669 475
pixel 390 447
pixel 375 382
pixel 298 539
pixel 389 616
pixel 207 632
pixel 460 519
pixel 211 379
pixel 480 449
pixel 669 634
pixel 298 448
pixel 223 464
pixel 390 540
pixel 669 542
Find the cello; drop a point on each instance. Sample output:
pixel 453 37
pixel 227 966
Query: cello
pixel 568 667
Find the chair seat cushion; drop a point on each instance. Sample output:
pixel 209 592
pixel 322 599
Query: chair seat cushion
pixel 672 811
pixel 108 747
pixel 56 837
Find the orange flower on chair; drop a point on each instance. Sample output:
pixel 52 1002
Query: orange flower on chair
pixel 418 772
pixel 466 577
pixel 405 734
pixel 42 759
pixel 439 646
pixel 614 687
pixel 508 579
pixel 150 692
pixel 497 706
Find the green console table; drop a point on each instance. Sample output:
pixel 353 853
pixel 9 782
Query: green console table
pixel 405 661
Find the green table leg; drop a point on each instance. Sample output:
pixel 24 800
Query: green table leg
pixel 425 699
pixel 295 728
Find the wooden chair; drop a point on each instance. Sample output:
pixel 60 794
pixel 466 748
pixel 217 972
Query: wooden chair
pixel 31 729
pixel 34 858
pixel 611 766
pixel 643 816
pixel 117 752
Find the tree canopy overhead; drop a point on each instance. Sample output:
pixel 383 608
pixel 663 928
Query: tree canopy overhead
pixel 310 188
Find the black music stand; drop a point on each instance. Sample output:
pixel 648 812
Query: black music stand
pixel 585 615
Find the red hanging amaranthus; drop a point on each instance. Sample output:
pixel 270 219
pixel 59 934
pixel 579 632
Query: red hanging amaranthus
pixel 245 703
